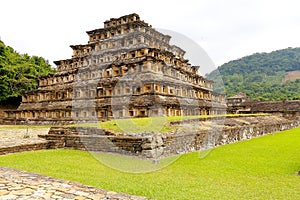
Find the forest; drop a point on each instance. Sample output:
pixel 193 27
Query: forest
pixel 20 72
pixel 261 75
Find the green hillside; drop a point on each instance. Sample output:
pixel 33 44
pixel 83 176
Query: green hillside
pixel 263 76
pixel 19 72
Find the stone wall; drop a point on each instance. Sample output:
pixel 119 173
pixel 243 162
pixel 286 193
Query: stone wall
pixel 187 142
pixel 275 106
pixel 160 145
pixel 25 147
pixel 284 108
pixel 93 139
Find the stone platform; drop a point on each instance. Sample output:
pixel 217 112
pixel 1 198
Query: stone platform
pixel 11 136
pixel 13 140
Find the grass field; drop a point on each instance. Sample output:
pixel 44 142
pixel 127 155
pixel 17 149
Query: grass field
pixel 261 168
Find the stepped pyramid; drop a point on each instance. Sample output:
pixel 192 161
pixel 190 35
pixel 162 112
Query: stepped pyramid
pixel 127 69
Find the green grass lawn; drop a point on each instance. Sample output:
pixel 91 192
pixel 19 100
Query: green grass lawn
pixel 149 124
pixel 261 168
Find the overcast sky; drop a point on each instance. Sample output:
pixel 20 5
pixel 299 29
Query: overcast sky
pixel 225 30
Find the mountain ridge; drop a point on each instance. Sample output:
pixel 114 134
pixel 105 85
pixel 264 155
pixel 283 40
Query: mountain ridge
pixel 260 75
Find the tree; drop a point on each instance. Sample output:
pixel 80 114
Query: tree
pixel 20 72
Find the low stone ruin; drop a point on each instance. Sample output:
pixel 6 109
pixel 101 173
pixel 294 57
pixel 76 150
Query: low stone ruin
pixel 190 135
